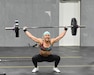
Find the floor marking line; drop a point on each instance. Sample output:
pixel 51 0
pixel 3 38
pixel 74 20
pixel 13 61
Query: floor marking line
pixel 28 57
pixel 61 66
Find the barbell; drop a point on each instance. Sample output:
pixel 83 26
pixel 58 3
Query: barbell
pixel 73 27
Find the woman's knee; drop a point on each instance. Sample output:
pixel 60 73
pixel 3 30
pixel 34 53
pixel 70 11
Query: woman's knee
pixel 57 57
pixel 34 58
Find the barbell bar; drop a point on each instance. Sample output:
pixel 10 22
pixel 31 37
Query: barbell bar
pixel 13 28
pixel 73 27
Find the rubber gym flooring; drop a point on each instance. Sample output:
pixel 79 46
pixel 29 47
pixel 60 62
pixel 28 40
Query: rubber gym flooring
pixel 74 61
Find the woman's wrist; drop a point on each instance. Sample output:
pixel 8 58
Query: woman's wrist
pixel 65 29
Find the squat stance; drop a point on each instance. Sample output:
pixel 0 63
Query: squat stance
pixel 45 45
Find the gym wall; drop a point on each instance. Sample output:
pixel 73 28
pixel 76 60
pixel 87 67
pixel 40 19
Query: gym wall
pixel 29 13
pixel 87 18
pixel 44 13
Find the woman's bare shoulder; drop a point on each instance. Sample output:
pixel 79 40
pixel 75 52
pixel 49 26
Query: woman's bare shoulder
pixel 40 40
pixel 52 41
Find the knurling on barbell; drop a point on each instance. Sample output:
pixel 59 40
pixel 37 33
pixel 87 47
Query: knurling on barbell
pixel 73 27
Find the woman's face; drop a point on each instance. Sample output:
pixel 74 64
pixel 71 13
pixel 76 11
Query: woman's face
pixel 47 37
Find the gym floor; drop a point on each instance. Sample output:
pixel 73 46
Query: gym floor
pixel 74 61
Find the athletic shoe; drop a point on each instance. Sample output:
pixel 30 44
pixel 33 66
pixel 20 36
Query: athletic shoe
pixel 35 70
pixel 56 70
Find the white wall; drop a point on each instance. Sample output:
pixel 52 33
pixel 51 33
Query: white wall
pixel 66 12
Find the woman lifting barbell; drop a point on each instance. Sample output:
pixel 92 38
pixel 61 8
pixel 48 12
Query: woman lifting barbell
pixel 45 45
